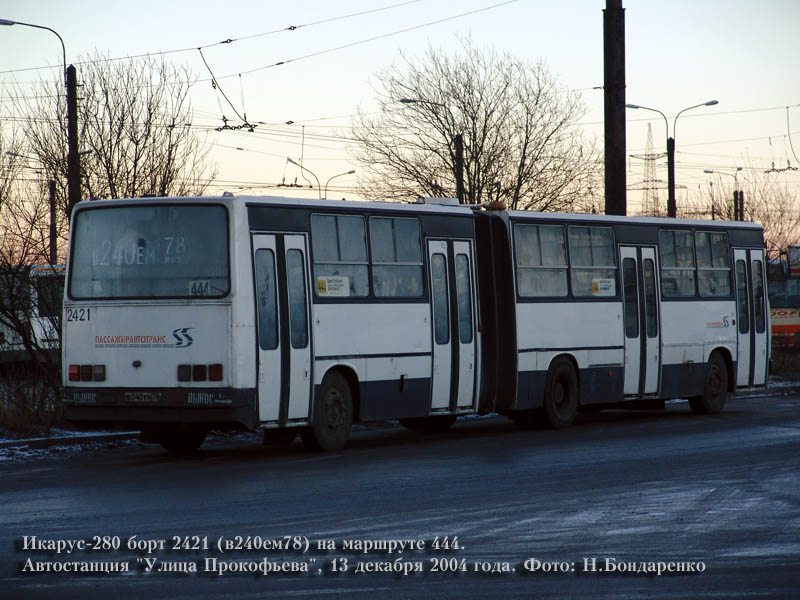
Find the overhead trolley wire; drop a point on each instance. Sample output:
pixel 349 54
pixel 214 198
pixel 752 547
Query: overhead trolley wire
pixel 228 40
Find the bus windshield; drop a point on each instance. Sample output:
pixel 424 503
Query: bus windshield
pixel 153 251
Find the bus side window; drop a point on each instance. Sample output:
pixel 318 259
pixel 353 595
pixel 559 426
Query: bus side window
pixel 629 285
pixel 441 311
pixel 464 299
pixel 742 300
pixel 541 260
pixel 758 297
pixel 593 267
pixel 266 299
pixel 339 246
pixel 651 309
pixel 296 286
pixel 677 264
pixel 713 264
pixel 396 257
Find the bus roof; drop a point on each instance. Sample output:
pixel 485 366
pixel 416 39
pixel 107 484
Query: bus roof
pixel 431 208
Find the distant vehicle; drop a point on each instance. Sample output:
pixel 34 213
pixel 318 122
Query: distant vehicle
pixel 784 299
pixel 785 326
pixel 32 298
pixel 306 316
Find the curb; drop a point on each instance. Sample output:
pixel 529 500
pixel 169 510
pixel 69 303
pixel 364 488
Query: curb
pixel 73 440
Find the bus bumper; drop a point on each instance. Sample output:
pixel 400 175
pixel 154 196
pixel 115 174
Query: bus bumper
pixel 214 407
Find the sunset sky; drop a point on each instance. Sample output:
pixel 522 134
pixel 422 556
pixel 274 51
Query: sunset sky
pixel 746 55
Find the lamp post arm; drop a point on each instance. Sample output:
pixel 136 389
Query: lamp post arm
pixel 325 194
pixel 63 48
pixel 319 188
pixel 675 121
pixel 666 122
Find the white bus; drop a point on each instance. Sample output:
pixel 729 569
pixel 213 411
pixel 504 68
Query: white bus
pixel 186 314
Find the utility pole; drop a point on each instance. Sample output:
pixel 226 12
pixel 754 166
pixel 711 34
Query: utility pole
pixel 73 159
pixel 614 96
pixel 741 205
pixel 459 144
pixel 672 205
pixel 53 245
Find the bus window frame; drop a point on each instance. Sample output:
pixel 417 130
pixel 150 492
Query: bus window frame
pixel 123 204
pixel 570 296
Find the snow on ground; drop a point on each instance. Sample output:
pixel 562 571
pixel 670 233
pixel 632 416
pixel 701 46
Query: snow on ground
pixel 18 453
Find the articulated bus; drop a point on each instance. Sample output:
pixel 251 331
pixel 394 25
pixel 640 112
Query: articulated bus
pixel 183 315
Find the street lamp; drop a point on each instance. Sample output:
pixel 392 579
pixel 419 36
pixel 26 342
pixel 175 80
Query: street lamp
pixel 738 195
pixel 70 80
pixel 458 142
pixel 319 189
pixel 671 206
pixel 325 194
pixel 63 49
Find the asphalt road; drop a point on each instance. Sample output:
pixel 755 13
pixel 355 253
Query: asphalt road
pixel 601 505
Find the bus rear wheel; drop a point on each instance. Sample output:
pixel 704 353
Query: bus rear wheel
pixel 715 390
pixel 432 423
pixel 560 395
pixel 333 415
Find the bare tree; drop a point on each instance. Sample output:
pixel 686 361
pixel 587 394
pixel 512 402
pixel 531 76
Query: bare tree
pixel 29 315
pixel 136 138
pixel 135 131
pixel 769 200
pixel 775 205
pixel 522 143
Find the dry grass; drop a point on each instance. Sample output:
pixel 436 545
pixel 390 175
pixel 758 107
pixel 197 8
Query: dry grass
pixel 785 360
pixel 28 405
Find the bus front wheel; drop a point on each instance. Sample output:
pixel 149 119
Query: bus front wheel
pixel 333 415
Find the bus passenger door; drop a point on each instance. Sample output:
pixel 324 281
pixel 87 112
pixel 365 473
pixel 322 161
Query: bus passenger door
pixel 283 332
pixel 751 326
pixel 640 291
pixel 466 317
pixel 453 317
pixel 297 339
pixel 440 320
pixel 760 321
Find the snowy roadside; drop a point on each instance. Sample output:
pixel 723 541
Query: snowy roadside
pixel 66 437
pixel 63 442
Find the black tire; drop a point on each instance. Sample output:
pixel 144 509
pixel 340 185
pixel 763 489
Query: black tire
pixel 433 423
pixel 715 389
pixel 560 395
pixel 181 440
pixel 333 415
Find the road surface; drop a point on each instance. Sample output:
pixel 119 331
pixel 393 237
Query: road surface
pixel 597 510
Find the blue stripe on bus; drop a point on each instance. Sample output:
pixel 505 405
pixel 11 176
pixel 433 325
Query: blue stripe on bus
pixel 355 356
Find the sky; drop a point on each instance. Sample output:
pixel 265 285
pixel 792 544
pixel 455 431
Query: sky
pixel 679 53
